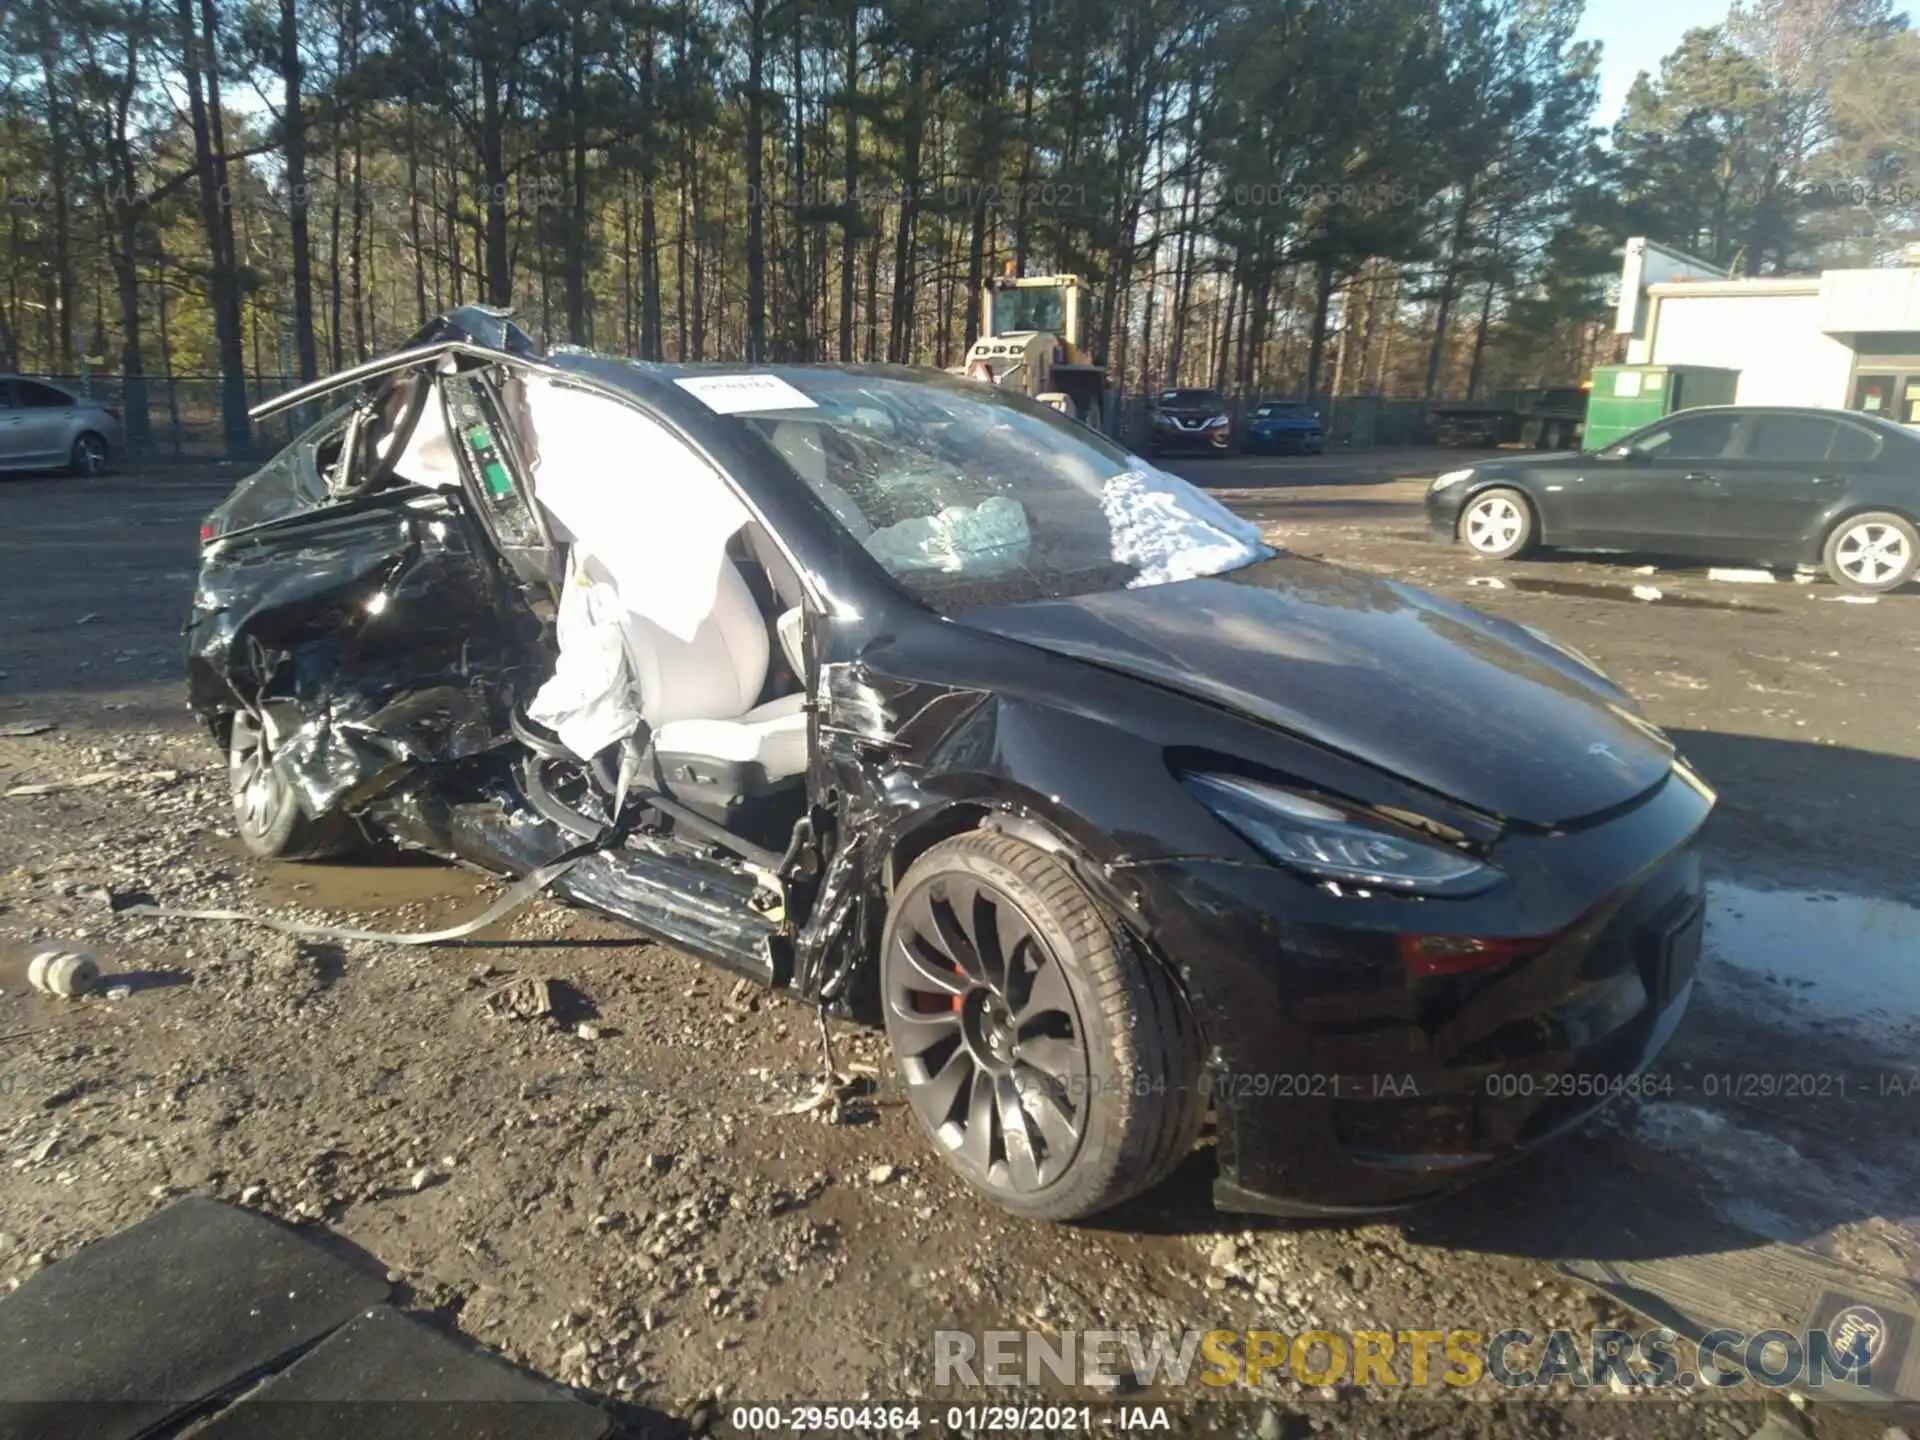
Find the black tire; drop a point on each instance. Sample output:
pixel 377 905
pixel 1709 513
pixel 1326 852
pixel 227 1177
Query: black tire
pixel 1508 525
pixel 984 1010
pixel 89 455
pixel 268 812
pixel 1872 553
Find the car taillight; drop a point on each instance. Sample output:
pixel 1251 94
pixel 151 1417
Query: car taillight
pixel 207 533
pixel 112 414
pixel 1430 955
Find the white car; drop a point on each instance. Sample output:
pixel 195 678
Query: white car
pixel 43 427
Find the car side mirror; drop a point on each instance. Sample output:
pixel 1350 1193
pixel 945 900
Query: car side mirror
pixel 1619 452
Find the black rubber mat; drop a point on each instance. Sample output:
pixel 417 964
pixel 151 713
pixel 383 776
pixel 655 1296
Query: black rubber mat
pixel 160 1318
pixel 386 1377
pixel 1776 1287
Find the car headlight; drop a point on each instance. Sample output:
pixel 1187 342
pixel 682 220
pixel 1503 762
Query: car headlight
pixel 1452 477
pixel 1328 843
pixel 1215 423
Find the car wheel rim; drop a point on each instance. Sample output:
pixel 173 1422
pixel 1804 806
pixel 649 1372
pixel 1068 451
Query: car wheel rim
pixel 1873 554
pixel 259 795
pixel 1494 524
pixel 988 1036
pixel 93 456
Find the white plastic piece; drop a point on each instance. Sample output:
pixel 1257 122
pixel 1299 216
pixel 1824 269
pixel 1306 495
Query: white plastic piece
pixel 982 539
pixel 1741 577
pixel 787 629
pixel 63 970
pixel 429 458
pixel 1647 592
pixel 1171 531
pixel 737 394
pixel 1488 582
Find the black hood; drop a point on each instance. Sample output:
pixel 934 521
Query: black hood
pixel 1458 702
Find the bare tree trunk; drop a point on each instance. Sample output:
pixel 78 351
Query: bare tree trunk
pixel 293 122
pixel 573 260
pixel 1317 345
pixel 900 322
pixel 1449 286
pixel 852 218
pixel 57 155
pixel 756 199
pixel 201 75
pixel 1480 341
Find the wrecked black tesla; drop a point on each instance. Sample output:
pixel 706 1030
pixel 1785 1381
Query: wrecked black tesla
pixel 914 699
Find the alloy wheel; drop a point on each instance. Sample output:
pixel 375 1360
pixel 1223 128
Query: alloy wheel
pixel 260 796
pixel 90 455
pixel 990 1041
pixel 1872 553
pixel 1494 524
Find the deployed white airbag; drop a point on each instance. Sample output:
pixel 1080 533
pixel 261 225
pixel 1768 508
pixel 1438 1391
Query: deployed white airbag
pixel 632 496
pixel 978 539
pixel 588 703
pixel 1172 531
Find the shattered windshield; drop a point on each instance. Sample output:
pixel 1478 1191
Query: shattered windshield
pixel 971 498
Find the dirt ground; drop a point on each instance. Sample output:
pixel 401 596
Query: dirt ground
pixel 620 1197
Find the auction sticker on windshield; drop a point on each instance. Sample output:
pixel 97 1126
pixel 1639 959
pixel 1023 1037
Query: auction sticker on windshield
pixel 735 394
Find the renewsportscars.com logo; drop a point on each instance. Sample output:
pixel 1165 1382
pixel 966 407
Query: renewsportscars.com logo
pixel 1847 1349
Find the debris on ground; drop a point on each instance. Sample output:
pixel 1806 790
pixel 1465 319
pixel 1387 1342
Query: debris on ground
pixel 1647 592
pixel 63 970
pixel 54 787
pixel 20 729
pixel 1488 582
pixel 1741 577
pixel 526 998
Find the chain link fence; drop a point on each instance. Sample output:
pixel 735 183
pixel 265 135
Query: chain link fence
pixel 1358 422
pixel 179 417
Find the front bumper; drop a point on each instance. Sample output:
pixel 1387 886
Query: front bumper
pixel 1443 512
pixel 1219 439
pixel 1343 1085
pixel 1285 442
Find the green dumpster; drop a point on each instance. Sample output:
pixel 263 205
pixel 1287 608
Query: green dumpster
pixel 1626 397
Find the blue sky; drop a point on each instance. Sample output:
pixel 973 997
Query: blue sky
pixel 1637 34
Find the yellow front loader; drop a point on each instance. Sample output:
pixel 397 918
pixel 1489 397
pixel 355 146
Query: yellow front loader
pixel 1032 340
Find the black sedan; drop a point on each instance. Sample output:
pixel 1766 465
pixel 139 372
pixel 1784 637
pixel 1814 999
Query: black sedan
pixel 1773 487
pixel 1189 420
pixel 916 700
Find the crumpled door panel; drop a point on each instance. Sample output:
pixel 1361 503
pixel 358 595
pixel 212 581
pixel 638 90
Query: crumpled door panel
pixel 386 622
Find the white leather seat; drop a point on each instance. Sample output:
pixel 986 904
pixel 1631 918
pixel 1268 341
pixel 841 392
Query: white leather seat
pixel 773 736
pixel 698 695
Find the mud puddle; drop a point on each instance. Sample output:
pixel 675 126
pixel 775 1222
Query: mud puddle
pixel 380 882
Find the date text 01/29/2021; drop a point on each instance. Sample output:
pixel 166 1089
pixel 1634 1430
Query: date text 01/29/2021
pixel 971 1419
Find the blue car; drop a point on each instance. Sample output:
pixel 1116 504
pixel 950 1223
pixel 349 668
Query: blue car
pixel 1281 427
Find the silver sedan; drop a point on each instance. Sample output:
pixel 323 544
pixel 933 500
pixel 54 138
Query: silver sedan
pixel 43 427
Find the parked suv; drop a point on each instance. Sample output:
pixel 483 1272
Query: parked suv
pixel 43 427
